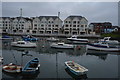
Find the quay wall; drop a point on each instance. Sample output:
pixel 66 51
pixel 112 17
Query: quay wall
pixel 56 35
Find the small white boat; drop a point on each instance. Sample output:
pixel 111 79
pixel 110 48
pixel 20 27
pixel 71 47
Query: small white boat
pixel 107 40
pixel 12 68
pixel 52 39
pixel 1 59
pixel 75 39
pixel 102 47
pixel 62 45
pixel 75 68
pixel 23 44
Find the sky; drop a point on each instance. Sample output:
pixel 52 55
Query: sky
pixel 92 11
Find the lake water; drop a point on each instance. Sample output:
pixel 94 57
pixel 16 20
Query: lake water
pixel 99 64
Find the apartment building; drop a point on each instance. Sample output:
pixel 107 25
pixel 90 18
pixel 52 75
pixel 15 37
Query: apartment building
pixel 5 24
pixel 15 25
pixel 75 25
pixel 46 24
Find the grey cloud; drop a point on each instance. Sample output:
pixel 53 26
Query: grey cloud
pixel 93 11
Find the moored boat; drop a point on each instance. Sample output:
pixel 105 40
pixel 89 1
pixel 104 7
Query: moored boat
pixel 62 45
pixel 31 67
pixel 24 44
pixel 102 47
pixel 52 39
pixel 12 68
pixel 109 41
pixel 75 68
pixel 75 39
pixel 29 38
pixel 6 38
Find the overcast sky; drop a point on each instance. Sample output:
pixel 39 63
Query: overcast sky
pixel 92 11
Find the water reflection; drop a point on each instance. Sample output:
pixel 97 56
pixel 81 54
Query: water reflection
pixel 30 76
pixel 52 61
pixel 101 56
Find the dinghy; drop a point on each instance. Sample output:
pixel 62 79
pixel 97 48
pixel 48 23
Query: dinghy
pixel 76 68
pixel 31 67
pixel 12 68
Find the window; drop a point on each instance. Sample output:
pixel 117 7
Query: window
pixel 22 27
pixel 56 25
pixel 66 25
pixel 42 25
pixel 74 25
pixel 35 24
pixel 74 21
pixel 82 25
pixel 35 28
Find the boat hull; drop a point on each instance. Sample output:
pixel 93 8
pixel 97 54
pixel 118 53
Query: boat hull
pixel 75 72
pixel 32 67
pixel 89 47
pixel 78 40
pixel 62 46
pixel 27 45
pixel 6 68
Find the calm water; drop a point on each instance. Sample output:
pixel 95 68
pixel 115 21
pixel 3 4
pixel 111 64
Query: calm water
pixel 52 61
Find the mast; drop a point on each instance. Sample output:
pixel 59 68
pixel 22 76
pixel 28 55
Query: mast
pixel 58 22
pixel 20 12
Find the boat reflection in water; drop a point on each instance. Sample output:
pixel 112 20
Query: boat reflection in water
pixel 30 76
pixel 101 54
pixel 76 77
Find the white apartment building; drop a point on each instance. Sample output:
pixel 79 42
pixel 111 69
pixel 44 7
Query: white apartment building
pixel 46 24
pixel 21 25
pixel 75 25
pixel 5 24
pixel 15 25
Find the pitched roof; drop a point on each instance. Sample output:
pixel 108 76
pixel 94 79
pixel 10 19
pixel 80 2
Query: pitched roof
pixel 72 17
pixel 48 17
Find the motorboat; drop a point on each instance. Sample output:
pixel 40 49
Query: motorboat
pixel 12 68
pixel 75 39
pixel 100 46
pixel 24 44
pixel 52 39
pixel 62 45
pixel 75 68
pixel 5 38
pixel 29 38
pixel 31 67
pixel 108 40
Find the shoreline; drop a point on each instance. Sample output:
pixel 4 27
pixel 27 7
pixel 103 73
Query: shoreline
pixel 55 35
